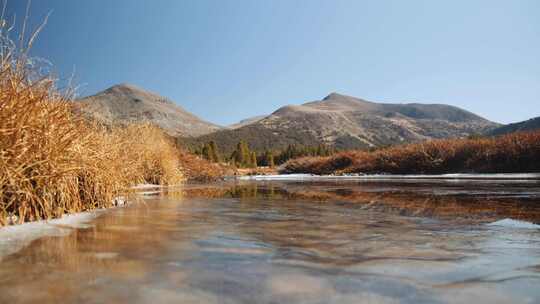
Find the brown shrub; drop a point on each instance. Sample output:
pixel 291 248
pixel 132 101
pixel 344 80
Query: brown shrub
pixel 517 152
pixel 197 169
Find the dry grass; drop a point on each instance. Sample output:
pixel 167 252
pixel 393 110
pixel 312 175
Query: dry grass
pixel 518 152
pixel 143 153
pixel 198 169
pixel 53 162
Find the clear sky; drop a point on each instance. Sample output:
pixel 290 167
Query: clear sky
pixel 229 60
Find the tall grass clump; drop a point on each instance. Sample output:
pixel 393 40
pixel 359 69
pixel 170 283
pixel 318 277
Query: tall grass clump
pixel 145 154
pixel 511 153
pixel 52 161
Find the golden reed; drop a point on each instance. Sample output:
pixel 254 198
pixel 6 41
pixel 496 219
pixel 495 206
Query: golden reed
pixel 52 161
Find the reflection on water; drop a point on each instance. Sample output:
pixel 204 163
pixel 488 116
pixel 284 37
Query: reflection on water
pixel 292 242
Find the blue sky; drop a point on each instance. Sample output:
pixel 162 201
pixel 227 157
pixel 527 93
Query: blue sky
pixel 229 60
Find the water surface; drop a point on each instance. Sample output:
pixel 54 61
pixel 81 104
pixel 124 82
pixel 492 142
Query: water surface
pixel 330 241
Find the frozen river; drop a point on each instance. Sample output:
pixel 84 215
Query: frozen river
pixel 295 241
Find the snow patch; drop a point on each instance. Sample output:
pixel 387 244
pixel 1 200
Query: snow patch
pixel 510 223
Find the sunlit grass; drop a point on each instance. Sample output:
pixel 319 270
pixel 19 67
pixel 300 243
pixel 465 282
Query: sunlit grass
pixel 54 162
pixel 512 153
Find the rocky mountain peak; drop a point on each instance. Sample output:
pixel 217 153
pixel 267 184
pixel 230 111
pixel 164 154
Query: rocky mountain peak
pixel 334 95
pixel 127 103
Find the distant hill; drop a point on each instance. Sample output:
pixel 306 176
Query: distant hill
pixel 126 103
pixel 245 122
pixel 347 122
pixel 527 125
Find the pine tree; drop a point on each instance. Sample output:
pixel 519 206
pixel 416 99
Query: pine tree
pixel 206 152
pixel 237 154
pixel 253 162
pixel 234 157
pixel 214 152
pixel 246 154
pixel 269 159
pixel 242 155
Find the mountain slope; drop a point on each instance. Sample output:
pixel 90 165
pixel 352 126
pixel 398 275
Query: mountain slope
pixel 126 103
pixel 347 122
pixel 245 122
pixel 527 125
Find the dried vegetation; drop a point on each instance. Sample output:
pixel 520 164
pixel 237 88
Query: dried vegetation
pixel 512 153
pixel 54 162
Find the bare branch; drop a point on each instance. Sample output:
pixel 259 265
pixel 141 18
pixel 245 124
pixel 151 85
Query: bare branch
pixel 37 31
pixel 2 21
pixel 23 30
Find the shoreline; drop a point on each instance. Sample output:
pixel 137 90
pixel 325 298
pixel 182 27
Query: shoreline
pixel 511 177
pixel 14 237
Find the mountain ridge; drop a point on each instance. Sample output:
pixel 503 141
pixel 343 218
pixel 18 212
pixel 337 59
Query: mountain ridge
pixel 348 123
pixel 337 120
pixel 127 103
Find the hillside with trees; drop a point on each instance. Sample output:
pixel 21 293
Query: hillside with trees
pixel 346 123
pixel 243 156
pixel 527 125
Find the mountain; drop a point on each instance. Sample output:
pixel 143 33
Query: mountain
pixel 527 125
pixel 245 122
pixel 347 122
pixel 125 103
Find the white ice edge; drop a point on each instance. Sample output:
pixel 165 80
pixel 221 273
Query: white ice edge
pixel 146 186
pixel 14 238
pixel 453 176
pixel 510 223
pixel 148 193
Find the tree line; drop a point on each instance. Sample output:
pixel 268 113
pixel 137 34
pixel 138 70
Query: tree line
pixel 244 157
